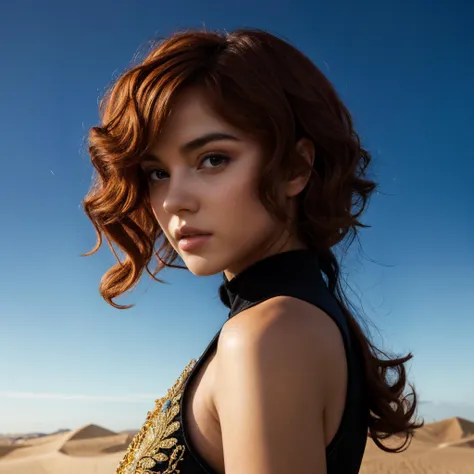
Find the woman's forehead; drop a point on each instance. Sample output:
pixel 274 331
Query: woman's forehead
pixel 191 118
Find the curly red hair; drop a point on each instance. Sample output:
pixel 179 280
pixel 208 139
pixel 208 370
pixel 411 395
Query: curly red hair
pixel 270 90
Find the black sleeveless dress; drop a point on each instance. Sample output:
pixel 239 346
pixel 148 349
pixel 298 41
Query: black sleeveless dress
pixel 162 445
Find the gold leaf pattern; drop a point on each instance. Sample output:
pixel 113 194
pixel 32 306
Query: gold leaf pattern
pixel 148 463
pixel 161 457
pixel 174 410
pixel 171 429
pixel 168 443
pixel 145 450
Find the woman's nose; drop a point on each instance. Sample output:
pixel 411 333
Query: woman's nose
pixel 180 196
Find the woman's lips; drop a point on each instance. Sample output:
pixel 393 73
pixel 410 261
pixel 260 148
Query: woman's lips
pixel 193 242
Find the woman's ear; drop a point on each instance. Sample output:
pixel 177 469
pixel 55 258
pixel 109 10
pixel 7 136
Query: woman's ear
pixel 305 151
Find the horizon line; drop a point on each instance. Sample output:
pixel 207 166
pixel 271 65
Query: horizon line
pixel 133 398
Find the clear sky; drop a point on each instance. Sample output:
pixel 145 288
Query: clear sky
pixel 404 68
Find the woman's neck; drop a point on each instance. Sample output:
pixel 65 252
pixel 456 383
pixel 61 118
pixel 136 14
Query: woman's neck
pixel 282 245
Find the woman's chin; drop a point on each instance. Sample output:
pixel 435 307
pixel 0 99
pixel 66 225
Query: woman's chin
pixel 202 266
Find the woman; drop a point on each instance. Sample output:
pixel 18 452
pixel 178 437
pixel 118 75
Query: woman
pixel 234 153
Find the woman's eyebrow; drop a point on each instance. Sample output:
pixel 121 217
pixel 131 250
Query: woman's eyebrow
pixel 205 139
pixel 192 145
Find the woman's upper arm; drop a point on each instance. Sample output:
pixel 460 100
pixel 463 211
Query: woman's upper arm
pixel 270 392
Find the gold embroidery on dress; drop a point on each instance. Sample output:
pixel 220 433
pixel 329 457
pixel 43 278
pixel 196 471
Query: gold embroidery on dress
pixel 145 450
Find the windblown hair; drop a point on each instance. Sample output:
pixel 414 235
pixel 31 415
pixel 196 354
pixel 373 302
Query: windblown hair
pixel 270 90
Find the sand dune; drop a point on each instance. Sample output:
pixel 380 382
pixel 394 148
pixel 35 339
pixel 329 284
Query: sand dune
pixel 444 447
pixel 59 463
pixel 97 446
pixel 90 431
pixel 29 449
pixel 450 430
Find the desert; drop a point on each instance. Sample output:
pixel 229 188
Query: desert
pixel 443 447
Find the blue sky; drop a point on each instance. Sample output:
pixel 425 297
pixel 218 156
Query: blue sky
pixel 404 69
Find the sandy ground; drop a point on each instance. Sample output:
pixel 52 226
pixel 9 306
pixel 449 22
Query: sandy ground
pixel 445 447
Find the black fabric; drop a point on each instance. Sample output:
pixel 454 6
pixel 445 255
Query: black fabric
pixel 296 274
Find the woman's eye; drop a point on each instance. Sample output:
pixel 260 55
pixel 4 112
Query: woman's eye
pixel 156 175
pixel 209 162
pixel 214 161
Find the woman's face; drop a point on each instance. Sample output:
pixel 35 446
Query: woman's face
pixel 203 174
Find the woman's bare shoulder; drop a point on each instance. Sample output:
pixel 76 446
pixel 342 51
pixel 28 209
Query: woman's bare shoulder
pixel 272 366
pixel 284 319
